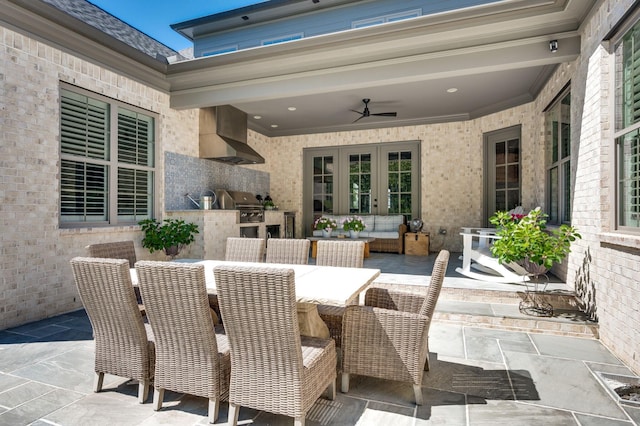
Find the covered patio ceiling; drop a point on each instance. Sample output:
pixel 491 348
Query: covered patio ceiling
pixel 497 56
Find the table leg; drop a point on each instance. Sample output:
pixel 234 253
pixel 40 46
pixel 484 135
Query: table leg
pixel 309 321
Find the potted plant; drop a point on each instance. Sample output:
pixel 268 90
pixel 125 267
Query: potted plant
pixel 170 236
pixel 326 225
pixel 354 225
pixel 525 240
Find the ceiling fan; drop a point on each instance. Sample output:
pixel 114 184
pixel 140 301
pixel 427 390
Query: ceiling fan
pixel 367 113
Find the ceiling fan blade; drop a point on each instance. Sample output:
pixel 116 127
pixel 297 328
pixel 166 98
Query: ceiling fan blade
pixel 359 112
pixel 357 119
pixel 386 114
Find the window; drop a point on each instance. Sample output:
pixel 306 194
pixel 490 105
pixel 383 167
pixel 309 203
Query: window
pixel 386 18
pixel 558 142
pixel 220 51
pixel 107 161
pixel 282 39
pixel 627 130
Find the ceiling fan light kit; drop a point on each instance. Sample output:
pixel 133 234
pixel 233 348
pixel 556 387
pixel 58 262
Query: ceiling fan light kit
pixel 366 113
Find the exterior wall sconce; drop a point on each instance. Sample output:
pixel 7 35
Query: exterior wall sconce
pixel 553 46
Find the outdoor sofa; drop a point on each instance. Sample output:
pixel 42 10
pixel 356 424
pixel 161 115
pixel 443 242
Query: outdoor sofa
pixel 388 231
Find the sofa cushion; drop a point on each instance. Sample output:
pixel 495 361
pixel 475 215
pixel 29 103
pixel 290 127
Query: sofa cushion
pixel 369 222
pixel 388 223
pixel 383 235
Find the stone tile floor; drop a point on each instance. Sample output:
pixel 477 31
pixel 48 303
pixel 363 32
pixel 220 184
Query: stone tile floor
pixel 478 376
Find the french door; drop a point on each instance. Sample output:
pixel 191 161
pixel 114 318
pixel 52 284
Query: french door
pixel 503 171
pixel 361 179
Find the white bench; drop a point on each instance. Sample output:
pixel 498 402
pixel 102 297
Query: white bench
pixel 476 254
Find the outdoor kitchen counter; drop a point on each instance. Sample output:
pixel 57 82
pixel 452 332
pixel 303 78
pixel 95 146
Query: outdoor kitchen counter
pixel 215 226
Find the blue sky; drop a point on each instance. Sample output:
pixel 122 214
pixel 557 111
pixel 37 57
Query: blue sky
pixel 154 17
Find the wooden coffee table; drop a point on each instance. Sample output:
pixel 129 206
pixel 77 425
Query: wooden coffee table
pixel 314 243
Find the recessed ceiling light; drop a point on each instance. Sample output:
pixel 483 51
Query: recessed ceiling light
pixel 257 117
pixel 452 90
pixel 274 125
pixel 292 108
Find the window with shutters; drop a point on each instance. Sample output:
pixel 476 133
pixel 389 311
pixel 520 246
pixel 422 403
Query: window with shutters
pixel 627 134
pixel 107 160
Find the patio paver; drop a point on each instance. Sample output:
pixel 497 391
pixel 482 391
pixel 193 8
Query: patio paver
pixel 479 376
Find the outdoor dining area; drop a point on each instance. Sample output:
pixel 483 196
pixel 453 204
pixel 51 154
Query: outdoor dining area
pixel 261 329
pixel 267 336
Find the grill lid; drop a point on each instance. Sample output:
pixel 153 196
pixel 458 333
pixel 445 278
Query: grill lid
pixel 231 200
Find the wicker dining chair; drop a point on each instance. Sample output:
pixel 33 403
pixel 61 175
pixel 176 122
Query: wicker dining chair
pixel 117 250
pixel 192 356
pixel 124 344
pixel 114 250
pixel 244 249
pixel 388 338
pixel 346 253
pixel 288 250
pixel 273 368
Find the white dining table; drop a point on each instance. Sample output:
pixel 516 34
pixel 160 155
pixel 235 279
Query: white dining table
pixel 314 285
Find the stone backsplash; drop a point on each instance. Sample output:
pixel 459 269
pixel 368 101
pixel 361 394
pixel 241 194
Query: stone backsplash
pixel 185 174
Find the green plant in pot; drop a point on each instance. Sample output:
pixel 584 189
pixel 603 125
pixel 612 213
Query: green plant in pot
pixel 170 235
pixel 525 240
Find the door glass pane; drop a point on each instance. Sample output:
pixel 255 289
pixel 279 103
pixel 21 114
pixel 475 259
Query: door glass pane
pixel 322 185
pixel 566 193
pixel 513 176
pixel 405 182
pixel 500 153
pixel 513 199
pixel 394 184
pixel 566 140
pixel 360 183
pixel 554 140
pixel 553 195
pixel 501 201
pixel 405 161
pixel 399 180
pixel 394 204
pixel 501 177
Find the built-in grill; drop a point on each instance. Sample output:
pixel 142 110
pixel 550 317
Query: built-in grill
pixel 251 210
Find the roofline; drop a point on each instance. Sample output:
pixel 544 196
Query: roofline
pixel 264 5
pixel 52 25
pixel 286 8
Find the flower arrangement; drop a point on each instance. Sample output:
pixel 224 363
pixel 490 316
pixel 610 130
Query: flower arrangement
pixel 524 239
pixel 353 223
pixel 325 223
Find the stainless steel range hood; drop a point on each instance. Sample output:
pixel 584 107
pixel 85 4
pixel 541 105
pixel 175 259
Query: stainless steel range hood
pixel 223 136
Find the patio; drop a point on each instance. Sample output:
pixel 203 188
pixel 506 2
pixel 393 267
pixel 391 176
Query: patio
pixel 478 376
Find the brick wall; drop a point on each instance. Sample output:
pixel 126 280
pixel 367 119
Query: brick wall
pixel 35 279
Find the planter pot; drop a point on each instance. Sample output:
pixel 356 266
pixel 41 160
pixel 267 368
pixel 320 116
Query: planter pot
pixel 354 234
pixel 326 232
pixel 534 268
pixel 172 251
